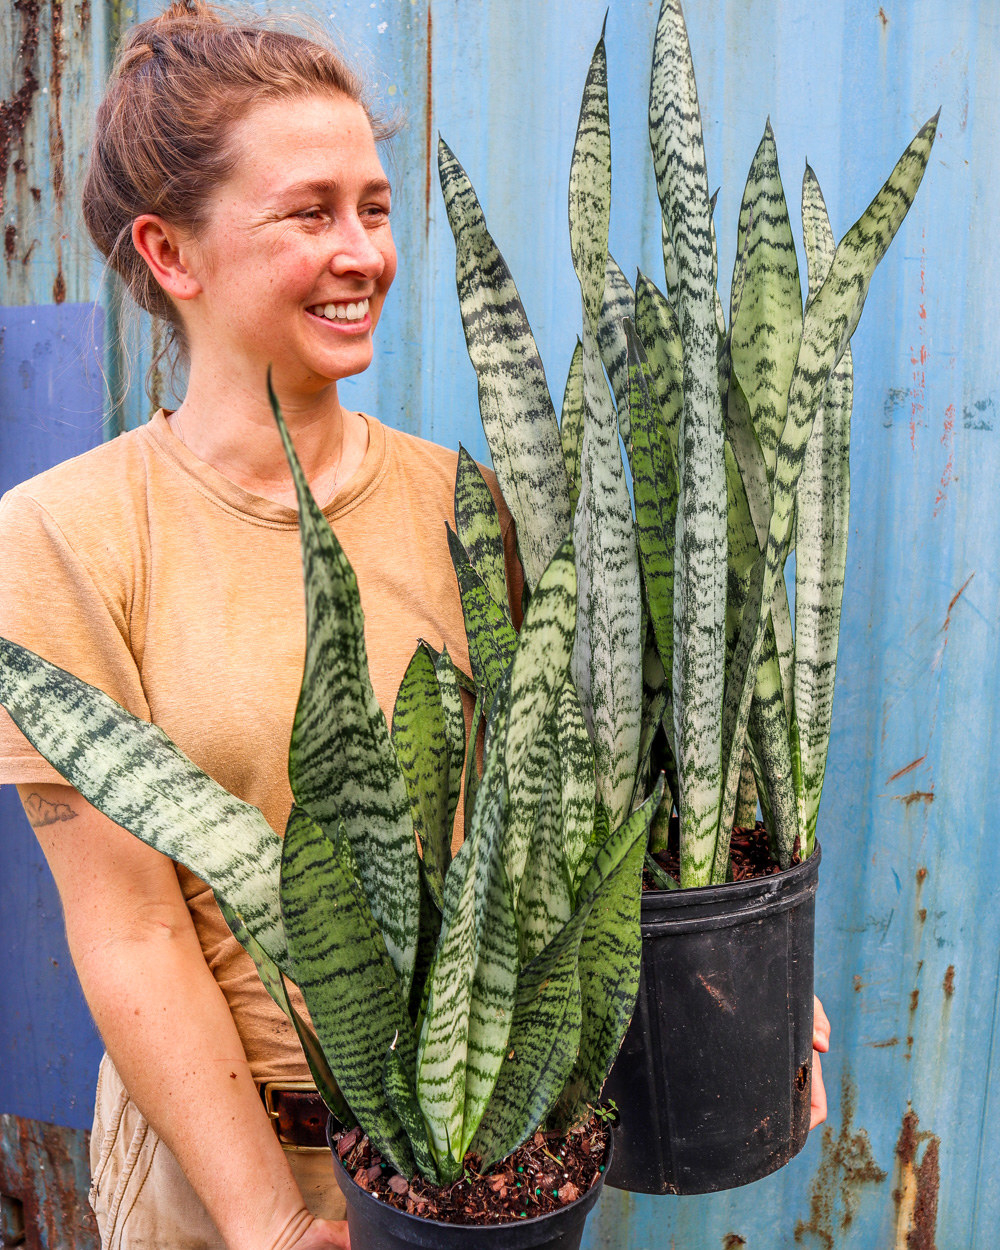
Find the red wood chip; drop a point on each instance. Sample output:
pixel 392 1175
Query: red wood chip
pixel 399 1184
pixel 375 1171
pixel 348 1141
pixel 362 1181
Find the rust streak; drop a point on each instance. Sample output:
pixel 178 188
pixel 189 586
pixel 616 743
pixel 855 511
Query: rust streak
pixel 916 1191
pixel 10 241
pixel 732 1241
pixel 915 796
pixel 948 985
pixel 14 112
pixel 955 598
pixel 890 1041
pixel 908 769
pixel 914 1000
pixel 883 17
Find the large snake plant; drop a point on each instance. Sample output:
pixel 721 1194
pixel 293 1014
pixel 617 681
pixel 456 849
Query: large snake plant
pixel 737 438
pixel 455 1003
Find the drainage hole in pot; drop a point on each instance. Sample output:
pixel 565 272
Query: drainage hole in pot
pixel 802 1076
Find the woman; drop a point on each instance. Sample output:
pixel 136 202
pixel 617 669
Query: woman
pixel 235 185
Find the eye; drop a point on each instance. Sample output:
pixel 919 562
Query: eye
pixel 375 214
pixel 311 214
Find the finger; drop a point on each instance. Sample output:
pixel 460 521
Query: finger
pixel 821 1027
pixel 817 1106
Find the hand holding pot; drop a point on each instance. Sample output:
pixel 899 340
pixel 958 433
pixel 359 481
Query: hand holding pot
pixel 821 1042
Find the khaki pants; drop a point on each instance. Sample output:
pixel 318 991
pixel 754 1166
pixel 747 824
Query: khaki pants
pixel 143 1200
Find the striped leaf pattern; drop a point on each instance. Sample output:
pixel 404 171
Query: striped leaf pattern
pixel 610 952
pixel 545 646
pixel 608 653
pixel 590 188
pixel 274 983
pixel 490 634
pixel 700 552
pixel 514 401
pixel 478 528
pixel 341 765
pixel 571 424
pixel 660 335
pixel 449 688
pixel 655 489
pixel 398 1086
pixel 822 504
pixel 474 977
pixel 132 772
pixel 354 995
pixel 545 894
pixel 830 319
pixel 420 739
pixel 577 779
pixel 768 326
pixel 619 303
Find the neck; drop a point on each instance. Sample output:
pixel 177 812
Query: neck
pixel 231 427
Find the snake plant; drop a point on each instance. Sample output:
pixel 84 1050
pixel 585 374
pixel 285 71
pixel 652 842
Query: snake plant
pixel 737 440
pixel 455 1003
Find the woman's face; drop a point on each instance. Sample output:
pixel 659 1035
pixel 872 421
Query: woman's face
pixel 297 255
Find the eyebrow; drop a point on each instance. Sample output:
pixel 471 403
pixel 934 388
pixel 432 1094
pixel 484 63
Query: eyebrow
pixel 327 186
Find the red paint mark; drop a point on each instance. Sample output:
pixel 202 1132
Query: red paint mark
pixel 954 599
pixel 948 473
pixel 908 769
pixel 918 355
pixel 915 796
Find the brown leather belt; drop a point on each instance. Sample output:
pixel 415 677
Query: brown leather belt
pixel 297 1112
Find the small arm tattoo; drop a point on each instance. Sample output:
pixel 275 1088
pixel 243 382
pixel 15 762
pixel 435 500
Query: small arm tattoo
pixel 41 813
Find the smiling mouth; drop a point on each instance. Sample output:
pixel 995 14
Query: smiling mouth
pixel 341 312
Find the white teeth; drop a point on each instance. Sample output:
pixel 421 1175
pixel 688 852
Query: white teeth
pixel 342 312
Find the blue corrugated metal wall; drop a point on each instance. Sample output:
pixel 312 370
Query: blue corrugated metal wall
pixel 907 917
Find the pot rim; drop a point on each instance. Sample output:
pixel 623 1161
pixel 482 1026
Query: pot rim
pixel 735 891
pixel 422 1221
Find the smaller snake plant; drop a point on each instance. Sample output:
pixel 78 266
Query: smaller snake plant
pixel 455 1003
pixel 737 440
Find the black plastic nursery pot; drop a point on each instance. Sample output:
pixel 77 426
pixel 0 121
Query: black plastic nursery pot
pixel 374 1225
pixel 713 1079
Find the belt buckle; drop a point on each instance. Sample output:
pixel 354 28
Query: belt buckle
pixel 267 1091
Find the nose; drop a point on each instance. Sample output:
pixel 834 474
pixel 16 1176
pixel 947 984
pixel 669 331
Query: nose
pixel 358 250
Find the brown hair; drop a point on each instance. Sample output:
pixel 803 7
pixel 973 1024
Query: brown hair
pixel 179 84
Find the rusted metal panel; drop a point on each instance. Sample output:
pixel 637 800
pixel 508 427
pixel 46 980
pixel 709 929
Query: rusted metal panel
pixel 44 1179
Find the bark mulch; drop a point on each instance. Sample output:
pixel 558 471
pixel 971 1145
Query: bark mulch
pixel 749 854
pixel 549 1171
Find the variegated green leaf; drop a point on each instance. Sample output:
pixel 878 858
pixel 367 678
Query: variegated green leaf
pixel 768 327
pixel 454 723
pixel 700 549
pixel 545 645
pixel 420 739
pixel 577 778
pixel 397 1081
pixel 660 335
pixel 341 765
pixel 478 528
pixel 514 401
pixel 746 798
pixel 655 488
pixel 822 506
pixel 490 635
pixel 274 983
pixel 571 424
pixel 474 977
pixel 590 187
pixel 341 964
pixel 609 956
pixel 608 652
pixel 830 320
pixel 472 766
pixel 619 303
pixel 132 772
pixel 545 896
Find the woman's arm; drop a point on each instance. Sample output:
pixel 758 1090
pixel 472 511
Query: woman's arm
pixel 166 1024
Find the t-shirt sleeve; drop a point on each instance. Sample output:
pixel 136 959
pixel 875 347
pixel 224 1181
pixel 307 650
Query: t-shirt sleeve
pixel 67 605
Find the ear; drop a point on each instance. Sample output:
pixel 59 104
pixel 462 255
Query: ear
pixel 167 252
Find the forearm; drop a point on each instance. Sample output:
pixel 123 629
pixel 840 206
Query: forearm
pixel 169 1033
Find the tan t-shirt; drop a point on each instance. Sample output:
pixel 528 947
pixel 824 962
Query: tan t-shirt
pixel 144 571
